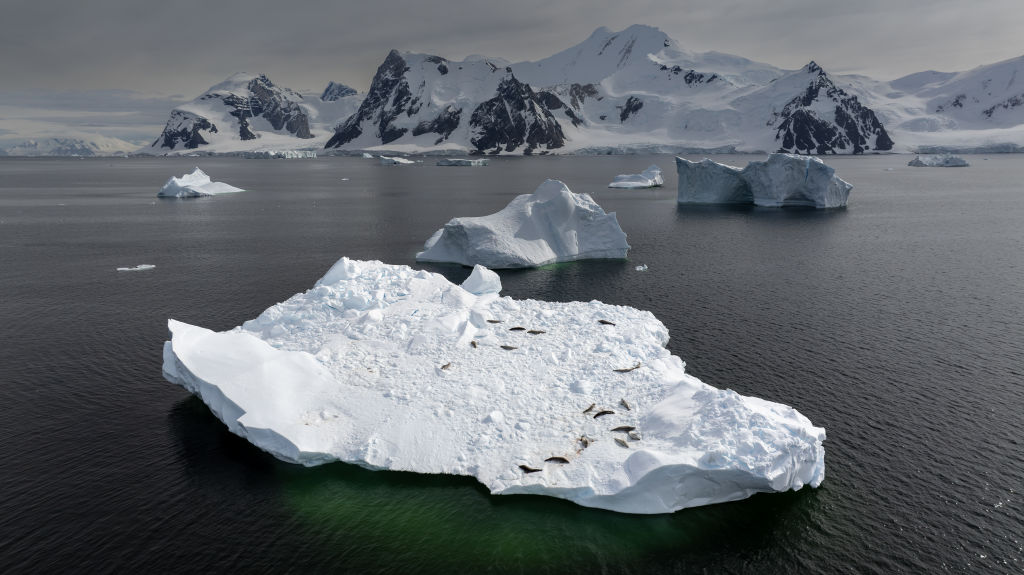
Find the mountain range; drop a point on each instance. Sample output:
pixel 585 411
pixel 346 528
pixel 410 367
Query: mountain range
pixel 635 90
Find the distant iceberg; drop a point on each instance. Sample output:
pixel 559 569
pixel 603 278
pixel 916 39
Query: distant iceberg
pixel 388 367
pixel 938 161
pixel 391 161
pixel 368 155
pixel 462 162
pixel 649 178
pixel 195 185
pixel 550 225
pixel 280 154
pixel 138 268
pixel 782 180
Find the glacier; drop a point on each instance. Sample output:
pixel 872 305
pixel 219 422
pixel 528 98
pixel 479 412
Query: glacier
pixel 781 180
pixel 552 224
pixel 938 161
pixel 195 185
pixel 392 368
pixel 649 178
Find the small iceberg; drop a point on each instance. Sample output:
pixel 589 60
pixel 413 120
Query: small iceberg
pixel 781 180
pixel 649 178
pixel 393 161
pixel 138 268
pixel 641 268
pixel 195 185
pixel 938 161
pixel 462 162
pixel 550 225
pixel 388 367
pixel 279 154
pixel 368 155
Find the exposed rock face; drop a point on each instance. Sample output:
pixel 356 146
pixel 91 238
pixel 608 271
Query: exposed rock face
pixel 335 91
pixel 184 129
pixel 389 94
pixel 632 106
pixel 236 102
pixel 515 117
pixel 825 119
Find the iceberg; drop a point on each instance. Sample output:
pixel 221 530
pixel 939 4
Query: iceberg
pixel 550 225
pixel 463 162
pixel 195 185
pixel 781 180
pixel 368 155
pixel 279 154
pixel 138 268
pixel 387 367
pixel 649 178
pixel 938 161
pixel 392 161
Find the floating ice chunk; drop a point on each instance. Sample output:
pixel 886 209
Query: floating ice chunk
pixel 649 178
pixel 138 268
pixel 939 161
pixel 368 155
pixel 481 281
pixel 781 180
pixel 550 225
pixel 641 268
pixel 462 162
pixel 428 388
pixel 195 185
pixel 279 154
pixel 392 161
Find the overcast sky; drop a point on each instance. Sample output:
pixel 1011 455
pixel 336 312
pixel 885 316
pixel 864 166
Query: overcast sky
pixel 184 46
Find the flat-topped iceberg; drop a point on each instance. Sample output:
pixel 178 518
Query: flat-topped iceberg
pixel 394 160
pixel 938 161
pixel 195 185
pixel 463 162
pixel 781 180
pixel 649 178
pixel 550 225
pixel 279 154
pixel 388 367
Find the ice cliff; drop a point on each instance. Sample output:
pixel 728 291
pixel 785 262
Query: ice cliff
pixel 781 180
pixel 391 368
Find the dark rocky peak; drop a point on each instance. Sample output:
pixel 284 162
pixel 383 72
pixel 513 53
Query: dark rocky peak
pixel 515 117
pixel 389 96
pixel 336 91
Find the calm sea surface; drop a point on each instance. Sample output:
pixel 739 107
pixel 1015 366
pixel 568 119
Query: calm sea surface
pixel 897 324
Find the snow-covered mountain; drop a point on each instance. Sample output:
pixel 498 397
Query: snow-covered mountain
pixel 249 112
pixel 632 90
pixel 102 146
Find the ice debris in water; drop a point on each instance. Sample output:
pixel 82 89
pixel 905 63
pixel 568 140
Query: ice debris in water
pixel 641 268
pixel 938 161
pixel 550 225
pixel 463 162
pixel 138 268
pixel 649 178
pixel 388 367
pixel 195 185
pixel 390 161
pixel 781 180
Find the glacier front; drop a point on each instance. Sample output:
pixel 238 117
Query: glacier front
pixel 550 225
pixel 388 367
pixel 781 180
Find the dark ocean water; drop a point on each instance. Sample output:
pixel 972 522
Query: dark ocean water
pixel 897 324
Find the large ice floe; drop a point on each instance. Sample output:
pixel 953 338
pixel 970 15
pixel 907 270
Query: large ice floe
pixel 550 225
pixel 781 180
pixel 649 178
pixel 195 185
pixel 938 161
pixel 463 162
pixel 388 367
pixel 394 161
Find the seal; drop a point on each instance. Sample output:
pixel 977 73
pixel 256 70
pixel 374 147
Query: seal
pixel 627 370
pixel 604 322
pixel 517 328
pixel 592 406
pixel 447 365
pixel 604 412
pixel 557 459
pixel 473 343
pixel 634 435
pixel 536 331
pixel 617 440
pixel 508 347
pixel 626 428
pixel 624 403
pixel 528 469
pixel 494 321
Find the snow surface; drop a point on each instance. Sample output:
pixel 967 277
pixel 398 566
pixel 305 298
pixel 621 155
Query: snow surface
pixel 649 178
pixel 392 368
pixel 195 185
pixel 938 161
pixel 550 225
pixel 393 161
pixel 138 268
pixel 781 180
pixel 462 162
